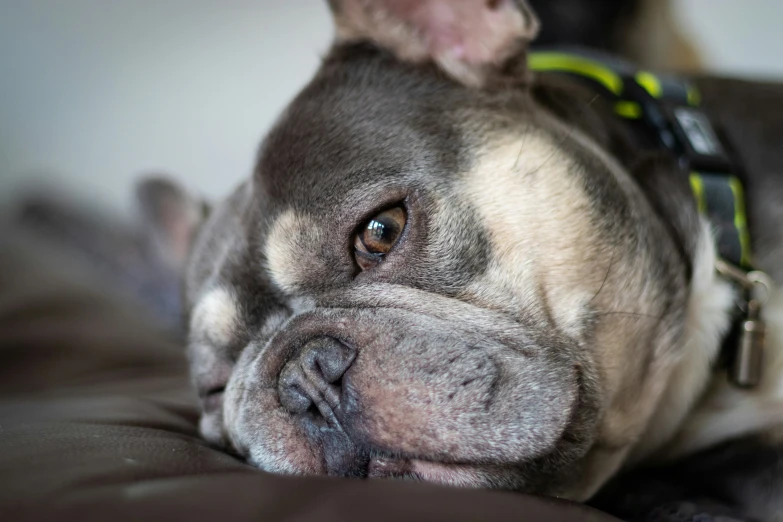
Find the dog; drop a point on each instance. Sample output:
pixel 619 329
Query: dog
pixel 446 267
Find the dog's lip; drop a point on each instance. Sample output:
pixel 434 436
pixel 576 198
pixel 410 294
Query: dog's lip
pixel 450 474
pixel 213 398
pixel 386 464
pixel 381 464
pixel 388 467
pixel 462 475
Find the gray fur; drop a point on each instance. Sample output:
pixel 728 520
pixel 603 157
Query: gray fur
pixel 451 367
pixel 369 131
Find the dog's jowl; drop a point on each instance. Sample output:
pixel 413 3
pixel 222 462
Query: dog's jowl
pixel 451 268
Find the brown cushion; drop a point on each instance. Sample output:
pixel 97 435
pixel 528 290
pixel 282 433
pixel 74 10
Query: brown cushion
pixel 97 422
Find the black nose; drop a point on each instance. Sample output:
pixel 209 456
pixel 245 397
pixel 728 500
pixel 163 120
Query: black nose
pixel 313 379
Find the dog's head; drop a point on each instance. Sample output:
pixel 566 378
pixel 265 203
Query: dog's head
pixel 433 272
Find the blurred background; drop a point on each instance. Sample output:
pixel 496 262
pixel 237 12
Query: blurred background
pixel 95 93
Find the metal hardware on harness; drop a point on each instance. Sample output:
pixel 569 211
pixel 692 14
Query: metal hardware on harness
pixel 664 112
pixel 745 369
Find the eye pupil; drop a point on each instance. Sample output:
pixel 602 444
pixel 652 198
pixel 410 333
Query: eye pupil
pixel 380 234
pixel 377 230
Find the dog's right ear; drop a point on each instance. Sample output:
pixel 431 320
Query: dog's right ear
pixel 170 217
pixel 473 41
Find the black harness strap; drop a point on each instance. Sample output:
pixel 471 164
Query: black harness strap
pixel 664 112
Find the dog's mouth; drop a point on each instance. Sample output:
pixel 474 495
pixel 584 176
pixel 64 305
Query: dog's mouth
pixel 343 455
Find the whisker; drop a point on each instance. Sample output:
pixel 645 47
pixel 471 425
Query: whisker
pixel 522 145
pixel 606 276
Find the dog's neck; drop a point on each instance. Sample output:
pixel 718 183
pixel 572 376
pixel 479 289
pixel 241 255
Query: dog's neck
pixel 700 407
pixel 708 319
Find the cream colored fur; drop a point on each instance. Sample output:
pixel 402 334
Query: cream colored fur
pixel 708 319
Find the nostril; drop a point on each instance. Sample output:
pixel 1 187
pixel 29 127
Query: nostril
pixel 314 377
pixel 292 396
pixel 295 400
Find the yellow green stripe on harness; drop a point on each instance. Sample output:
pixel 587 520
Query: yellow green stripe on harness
pixel 614 83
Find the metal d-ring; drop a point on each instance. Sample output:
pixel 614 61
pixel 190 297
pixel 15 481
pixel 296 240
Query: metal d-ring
pixel 760 281
pixel 754 282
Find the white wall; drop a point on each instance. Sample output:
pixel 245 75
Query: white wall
pixel 94 92
pixel 736 37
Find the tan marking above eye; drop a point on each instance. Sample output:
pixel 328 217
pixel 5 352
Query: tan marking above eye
pixel 217 316
pixel 378 236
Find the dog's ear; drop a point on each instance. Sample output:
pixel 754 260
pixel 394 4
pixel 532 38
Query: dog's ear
pixel 476 42
pixel 170 218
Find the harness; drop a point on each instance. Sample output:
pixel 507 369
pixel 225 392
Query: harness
pixel 664 112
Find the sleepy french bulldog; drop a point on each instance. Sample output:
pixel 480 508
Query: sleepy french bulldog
pixel 448 268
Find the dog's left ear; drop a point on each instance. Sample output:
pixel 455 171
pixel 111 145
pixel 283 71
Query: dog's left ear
pixel 476 42
pixel 171 217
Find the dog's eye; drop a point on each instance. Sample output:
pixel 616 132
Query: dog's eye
pixel 376 238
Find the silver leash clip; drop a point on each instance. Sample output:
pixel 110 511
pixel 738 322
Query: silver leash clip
pixel 747 363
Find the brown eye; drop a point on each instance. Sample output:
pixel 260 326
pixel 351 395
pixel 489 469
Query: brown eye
pixel 379 236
